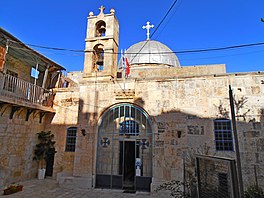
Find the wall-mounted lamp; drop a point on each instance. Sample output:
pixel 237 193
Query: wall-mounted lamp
pixel 83 132
pixel 179 134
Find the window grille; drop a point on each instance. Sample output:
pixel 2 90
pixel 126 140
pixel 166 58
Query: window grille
pixel 71 139
pixel 223 135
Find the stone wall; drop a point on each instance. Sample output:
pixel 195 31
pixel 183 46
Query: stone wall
pixel 23 70
pixel 17 142
pixel 149 71
pixel 67 106
pixel 18 67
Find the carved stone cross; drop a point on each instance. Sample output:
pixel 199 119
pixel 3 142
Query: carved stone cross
pixel 147 27
pixel 102 8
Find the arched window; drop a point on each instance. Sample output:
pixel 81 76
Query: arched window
pixel 100 29
pixel 98 57
pixel 71 139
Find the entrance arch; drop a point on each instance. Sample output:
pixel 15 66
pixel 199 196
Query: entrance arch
pixel 124 148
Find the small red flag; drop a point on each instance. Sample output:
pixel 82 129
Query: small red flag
pixel 127 68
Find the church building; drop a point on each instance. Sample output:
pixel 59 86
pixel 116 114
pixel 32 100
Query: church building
pixel 137 122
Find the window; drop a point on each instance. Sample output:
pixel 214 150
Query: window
pixel 129 127
pixel 223 135
pixel 71 139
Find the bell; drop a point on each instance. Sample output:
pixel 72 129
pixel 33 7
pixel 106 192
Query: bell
pixel 102 30
pixel 100 60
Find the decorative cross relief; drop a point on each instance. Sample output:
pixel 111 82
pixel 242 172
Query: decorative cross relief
pixel 105 142
pixel 144 144
pixel 147 27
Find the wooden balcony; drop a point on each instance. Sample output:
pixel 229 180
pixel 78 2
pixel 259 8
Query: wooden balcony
pixel 18 92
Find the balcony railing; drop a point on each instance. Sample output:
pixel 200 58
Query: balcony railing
pixel 23 91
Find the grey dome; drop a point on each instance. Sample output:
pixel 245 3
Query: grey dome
pixel 153 52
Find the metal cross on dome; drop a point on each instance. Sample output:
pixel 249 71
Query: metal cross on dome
pixel 147 27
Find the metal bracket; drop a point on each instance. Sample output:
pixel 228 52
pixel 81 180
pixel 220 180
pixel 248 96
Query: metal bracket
pixel 3 106
pixel 41 115
pixel 29 111
pixel 13 110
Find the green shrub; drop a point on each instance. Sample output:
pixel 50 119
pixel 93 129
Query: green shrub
pixel 253 192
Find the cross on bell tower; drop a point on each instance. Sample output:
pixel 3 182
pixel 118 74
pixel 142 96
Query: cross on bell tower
pixel 102 8
pixel 147 27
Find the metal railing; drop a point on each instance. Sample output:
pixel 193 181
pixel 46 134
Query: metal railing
pixel 23 91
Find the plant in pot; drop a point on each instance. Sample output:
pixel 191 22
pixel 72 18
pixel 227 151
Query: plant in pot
pixel 13 188
pixel 44 148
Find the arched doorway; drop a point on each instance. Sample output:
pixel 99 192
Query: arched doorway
pixel 124 149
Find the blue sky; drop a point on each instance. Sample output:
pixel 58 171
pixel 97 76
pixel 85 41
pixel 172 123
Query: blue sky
pixel 190 25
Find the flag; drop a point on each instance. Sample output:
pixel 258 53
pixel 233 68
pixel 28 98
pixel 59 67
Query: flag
pixel 127 68
pixel 123 61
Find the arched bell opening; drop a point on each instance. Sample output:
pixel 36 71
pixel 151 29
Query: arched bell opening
pixel 98 57
pixel 100 29
pixel 124 149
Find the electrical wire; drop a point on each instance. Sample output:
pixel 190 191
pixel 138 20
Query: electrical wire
pixel 220 48
pixel 176 9
pixel 222 56
pixel 155 29
pixel 163 18
pixel 45 47
pixel 174 52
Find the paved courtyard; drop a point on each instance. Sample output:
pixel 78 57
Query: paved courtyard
pixel 49 188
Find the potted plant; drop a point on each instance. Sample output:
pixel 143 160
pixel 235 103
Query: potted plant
pixel 13 188
pixel 44 147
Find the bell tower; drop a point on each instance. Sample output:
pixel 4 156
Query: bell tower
pixel 101 45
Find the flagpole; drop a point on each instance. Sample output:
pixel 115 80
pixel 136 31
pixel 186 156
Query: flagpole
pixel 124 69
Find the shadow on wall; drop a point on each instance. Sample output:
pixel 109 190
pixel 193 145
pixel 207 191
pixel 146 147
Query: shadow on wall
pixel 175 133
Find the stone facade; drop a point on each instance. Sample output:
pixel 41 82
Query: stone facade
pixel 180 104
pixel 182 111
